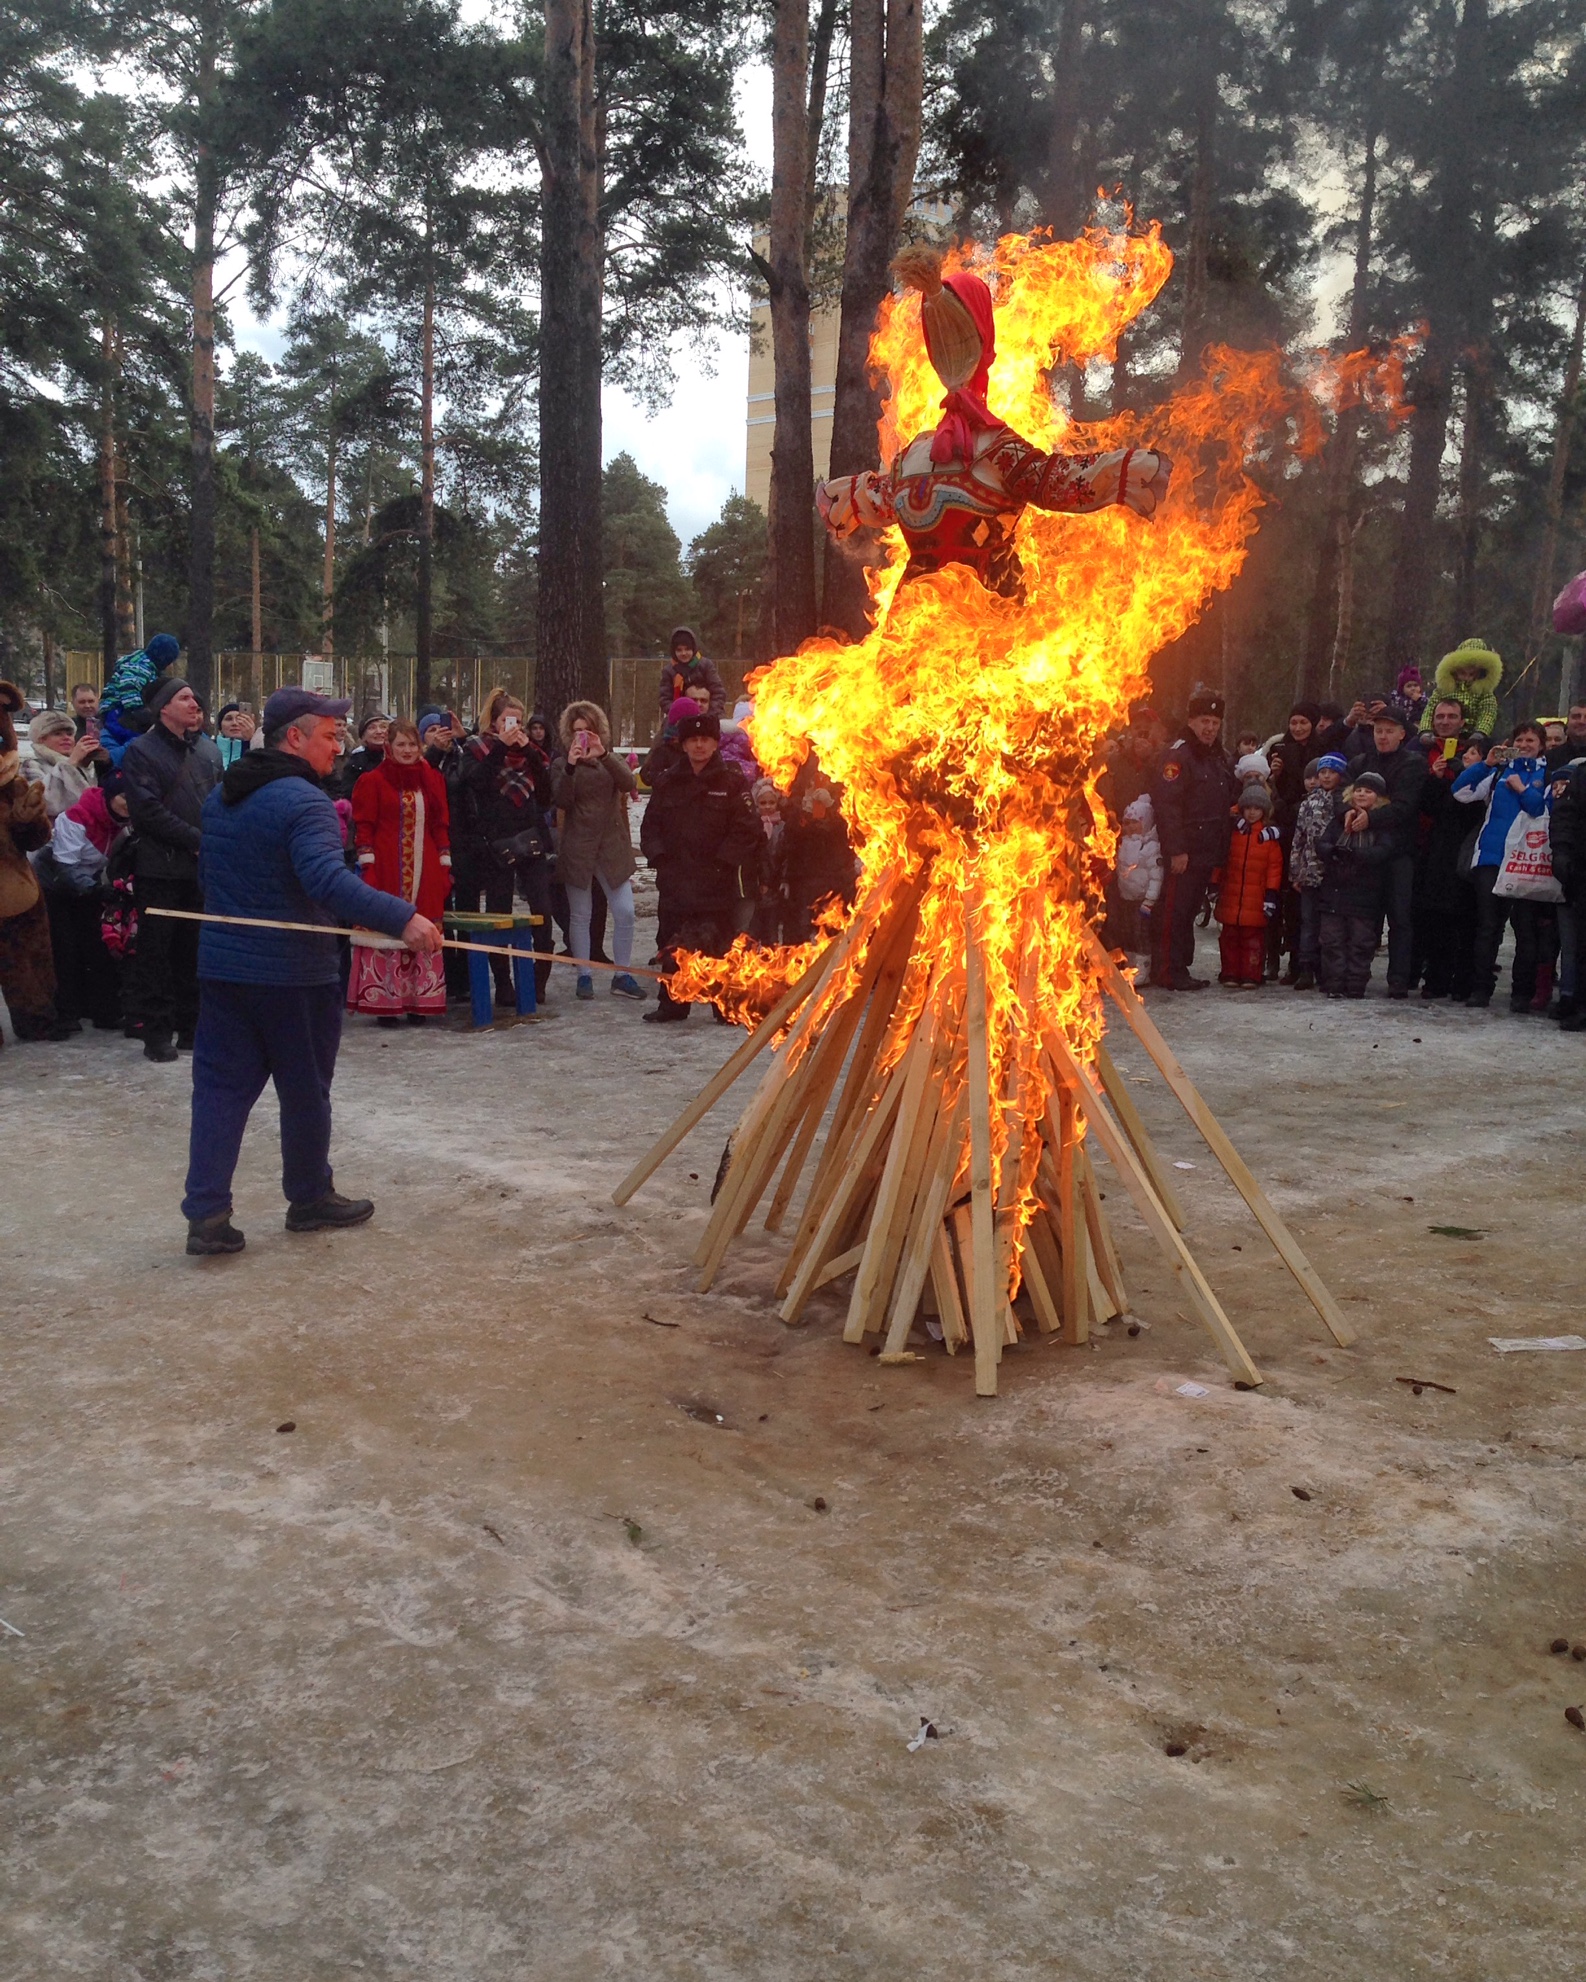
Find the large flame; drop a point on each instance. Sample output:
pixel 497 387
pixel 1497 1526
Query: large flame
pixel 965 728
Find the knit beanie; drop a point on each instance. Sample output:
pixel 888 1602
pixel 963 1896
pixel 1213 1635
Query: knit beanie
pixel 163 649
pixel 1256 795
pixel 169 688
pixel 1372 781
pixel 1253 765
pixel 1333 762
pixel 684 707
pixel 1313 767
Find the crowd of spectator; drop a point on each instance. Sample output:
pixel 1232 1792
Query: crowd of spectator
pixel 1405 816
pixel 103 817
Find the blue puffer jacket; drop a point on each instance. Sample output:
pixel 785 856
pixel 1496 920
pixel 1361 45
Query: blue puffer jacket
pixel 278 854
pixel 1489 783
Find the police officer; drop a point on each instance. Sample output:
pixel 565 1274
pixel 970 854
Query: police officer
pixel 1193 799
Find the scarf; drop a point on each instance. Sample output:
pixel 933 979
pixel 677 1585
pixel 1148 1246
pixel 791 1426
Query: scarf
pixel 401 777
pixel 964 410
pixel 259 768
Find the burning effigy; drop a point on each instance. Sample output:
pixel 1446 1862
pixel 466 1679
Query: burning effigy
pixel 946 1031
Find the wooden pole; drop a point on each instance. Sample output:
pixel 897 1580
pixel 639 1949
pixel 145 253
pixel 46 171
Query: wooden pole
pixel 1133 1008
pixel 1075 1298
pixel 723 1078
pixel 1131 1173
pixel 1129 1120
pixel 985 1318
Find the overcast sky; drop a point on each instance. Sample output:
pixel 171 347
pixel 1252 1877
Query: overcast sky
pixel 694 447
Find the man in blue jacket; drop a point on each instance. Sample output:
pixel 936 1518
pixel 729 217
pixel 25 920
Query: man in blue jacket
pixel 270 999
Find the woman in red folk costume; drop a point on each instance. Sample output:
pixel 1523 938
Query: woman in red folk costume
pixel 402 829
pixel 956 492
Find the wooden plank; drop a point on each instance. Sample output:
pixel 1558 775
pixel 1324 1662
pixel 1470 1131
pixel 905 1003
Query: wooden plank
pixel 858 1092
pixel 1046 1314
pixel 1131 1173
pixel 834 1269
pixel 821 1244
pixel 949 1300
pixel 1103 1250
pixel 725 1075
pixel 925 1222
pixel 912 1129
pixel 1133 1126
pixel 984 1295
pixel 831 1052
pixel 1040 1243
pixel 1101 1306
pixel 1216 1139
pixel 1075 1298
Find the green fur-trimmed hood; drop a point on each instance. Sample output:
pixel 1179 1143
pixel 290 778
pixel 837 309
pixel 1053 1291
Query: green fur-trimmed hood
pixel 1463 655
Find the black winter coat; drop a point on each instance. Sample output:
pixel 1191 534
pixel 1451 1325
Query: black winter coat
pixel 168 778
pixel 1568 829
pixel 699 829
pixel 1193 799
pixel 504 793
pixel 1354 867
pixel 1403 771
pixel 1445 826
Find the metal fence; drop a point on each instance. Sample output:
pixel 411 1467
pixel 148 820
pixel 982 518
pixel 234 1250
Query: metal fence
pixel 381 681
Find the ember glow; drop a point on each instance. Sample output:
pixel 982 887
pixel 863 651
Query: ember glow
pixel 965 729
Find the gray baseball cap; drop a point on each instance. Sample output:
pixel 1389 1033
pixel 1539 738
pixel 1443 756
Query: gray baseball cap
pixel 290 705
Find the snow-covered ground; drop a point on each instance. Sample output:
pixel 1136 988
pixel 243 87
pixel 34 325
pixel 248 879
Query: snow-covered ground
pixel 579 1626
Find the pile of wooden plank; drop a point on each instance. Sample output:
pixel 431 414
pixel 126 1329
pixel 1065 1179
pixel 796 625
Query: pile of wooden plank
pixel 940 1201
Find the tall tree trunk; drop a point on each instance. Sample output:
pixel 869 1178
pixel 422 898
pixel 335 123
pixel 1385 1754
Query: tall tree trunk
pixel 1338 540
pixel 570 610
pixel 126 618
pixel 885 81
pixel 1478 387
pixel 1449 250
pixel 792 448
pixel 327 587
pixel 201 547
pixel 1563 439
pixel 1065 198
pixel 256 617
pixel 423 630
pixel 1203 193
pixel 594 664
pixel 820 60
pixel 107 500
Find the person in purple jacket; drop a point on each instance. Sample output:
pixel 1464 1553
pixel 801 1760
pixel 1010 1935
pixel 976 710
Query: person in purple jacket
pixel 270 1000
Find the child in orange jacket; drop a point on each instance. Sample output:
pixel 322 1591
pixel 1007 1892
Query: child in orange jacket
pixel 1247 901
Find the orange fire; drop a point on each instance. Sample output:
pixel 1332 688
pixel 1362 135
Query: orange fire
pixel 965 728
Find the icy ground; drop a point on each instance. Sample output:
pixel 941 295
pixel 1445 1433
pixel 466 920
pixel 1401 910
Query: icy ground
pixel 580 1626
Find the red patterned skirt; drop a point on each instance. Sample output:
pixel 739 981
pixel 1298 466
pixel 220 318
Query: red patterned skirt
pixel 386 982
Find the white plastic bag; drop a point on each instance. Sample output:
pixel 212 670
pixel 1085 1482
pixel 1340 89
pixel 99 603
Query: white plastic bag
pixel 1525 873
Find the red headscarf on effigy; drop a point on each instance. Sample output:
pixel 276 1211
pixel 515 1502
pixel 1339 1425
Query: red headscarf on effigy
pixel 964 410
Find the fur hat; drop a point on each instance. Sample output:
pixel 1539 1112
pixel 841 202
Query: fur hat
pixel 1207 702
pixel 48 723
pixel 592 714
pixel 698 724
pixel 1255 795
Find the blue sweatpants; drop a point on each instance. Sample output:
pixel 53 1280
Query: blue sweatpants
pixel 248 1034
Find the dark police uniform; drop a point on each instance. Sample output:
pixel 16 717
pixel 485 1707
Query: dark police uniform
pixel 1193 800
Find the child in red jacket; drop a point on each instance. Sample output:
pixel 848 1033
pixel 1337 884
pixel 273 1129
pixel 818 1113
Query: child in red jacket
pixel 1251 876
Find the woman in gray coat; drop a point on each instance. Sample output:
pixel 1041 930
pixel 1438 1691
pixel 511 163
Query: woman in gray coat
pixel 591 790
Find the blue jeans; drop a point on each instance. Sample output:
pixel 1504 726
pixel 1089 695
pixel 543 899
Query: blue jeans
pixel 249 1034
pixel 580 904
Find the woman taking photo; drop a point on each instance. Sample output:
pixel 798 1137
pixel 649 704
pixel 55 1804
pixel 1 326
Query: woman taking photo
pixel 506 789
pixel 401 827
pixel 592 787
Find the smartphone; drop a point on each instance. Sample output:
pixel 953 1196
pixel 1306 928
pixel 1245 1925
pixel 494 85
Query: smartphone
pixel 1450 747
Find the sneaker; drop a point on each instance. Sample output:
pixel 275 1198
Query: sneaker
pixel 624 986
pixel 159 1046
pixel 586 985
pixel 214 1235
pixel 667 1014
pixel 329 1213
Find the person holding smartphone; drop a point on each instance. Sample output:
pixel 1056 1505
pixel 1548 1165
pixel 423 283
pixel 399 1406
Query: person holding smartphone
pixel 505 787
pixel 593 785
pixel 1512 780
